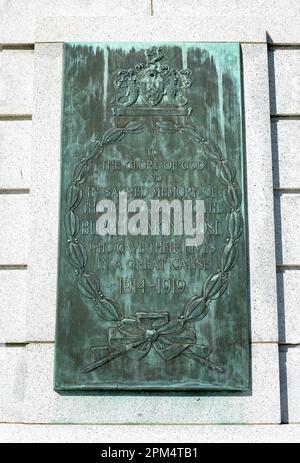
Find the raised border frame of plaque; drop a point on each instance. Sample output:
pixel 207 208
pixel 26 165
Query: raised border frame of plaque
pixel 152 95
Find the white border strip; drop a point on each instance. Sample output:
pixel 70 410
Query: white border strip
pixel 151 28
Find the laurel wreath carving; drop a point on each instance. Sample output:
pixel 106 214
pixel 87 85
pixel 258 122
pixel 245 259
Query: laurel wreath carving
pixel 134 336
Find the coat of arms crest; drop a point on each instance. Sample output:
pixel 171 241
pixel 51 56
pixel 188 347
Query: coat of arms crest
pixel 152 82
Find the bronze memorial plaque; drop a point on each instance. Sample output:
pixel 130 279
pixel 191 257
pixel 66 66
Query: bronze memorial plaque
pixel 153 268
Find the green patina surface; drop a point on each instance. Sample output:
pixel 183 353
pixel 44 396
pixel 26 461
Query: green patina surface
pixel 159 122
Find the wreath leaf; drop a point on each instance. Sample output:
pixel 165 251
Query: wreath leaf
pixel 134 127
pixel 110 309
pixel 196 309
pixel 189 134
pixel 235 224
pixel 81 172
pixel 74 196
pixel 77 255
pixel 113 135
pixel 89 285
pixel 212 285
pixel 71 223
pixel 93 149
pixel 232 197
pixel 228 258
pixel 212 151
pixel 226 171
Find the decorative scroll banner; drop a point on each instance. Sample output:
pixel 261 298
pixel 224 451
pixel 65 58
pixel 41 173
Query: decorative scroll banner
pixel 138 306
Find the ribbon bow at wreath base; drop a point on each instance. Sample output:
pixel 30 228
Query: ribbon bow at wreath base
pixel 134 337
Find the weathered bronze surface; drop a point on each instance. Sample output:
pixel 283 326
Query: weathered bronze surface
pixel 146 305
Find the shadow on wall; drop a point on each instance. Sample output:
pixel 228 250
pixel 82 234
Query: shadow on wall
pixel 278 237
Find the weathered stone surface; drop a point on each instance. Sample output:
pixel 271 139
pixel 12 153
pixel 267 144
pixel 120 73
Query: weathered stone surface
pixel 150 434
pixel 101 29
pixel 278 19
pixel 45 193
pixel 12 383
pixel 15 149
pixel 18 16
pixel 219 8
pixel 283 30
pixel 258 29
pixel 288 283
pixel 287 218
pixel 14 229
pixel 290 380
pixel 13 293
pixel 16 81
pixel 286 148
pixel 43 405
pixel 284 65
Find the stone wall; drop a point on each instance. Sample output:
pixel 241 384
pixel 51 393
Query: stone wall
pixel 31 32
